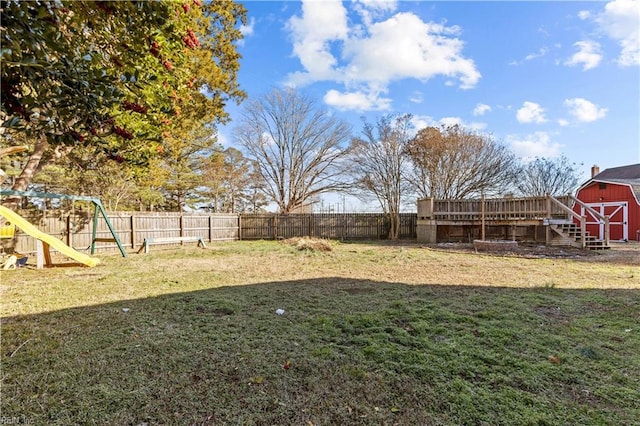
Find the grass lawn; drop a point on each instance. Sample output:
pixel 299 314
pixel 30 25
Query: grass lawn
pixel 373 333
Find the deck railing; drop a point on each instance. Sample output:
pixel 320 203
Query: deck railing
pixel 499 209
pixel 551 201
pixel 596 216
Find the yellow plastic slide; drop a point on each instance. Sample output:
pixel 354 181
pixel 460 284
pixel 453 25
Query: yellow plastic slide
pixel 54 242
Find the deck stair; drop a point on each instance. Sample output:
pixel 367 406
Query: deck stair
pixel 572 234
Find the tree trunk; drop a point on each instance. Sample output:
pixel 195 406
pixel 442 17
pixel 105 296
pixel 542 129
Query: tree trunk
pixel 27 174
pixel 394 226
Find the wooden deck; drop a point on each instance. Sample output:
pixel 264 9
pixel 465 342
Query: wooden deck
pixel 513 218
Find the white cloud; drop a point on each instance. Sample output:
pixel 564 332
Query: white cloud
pixel 369 10
pixel 386 5
pixel 583 110
pixel 357 101
pixel 531 56
pixel 588 55
pixel 530 112
pixel 620 21
pixel 416 97
pixel 584 14
pixel 367 57
pixel 563 122
pixel 404 46
pixel 451 121
pixel 537 144
pixel 481 109
pixel 222 139
pixel 476 125
pixel 543 51
pixel 422 121
pixel 321 23
pixel 246 31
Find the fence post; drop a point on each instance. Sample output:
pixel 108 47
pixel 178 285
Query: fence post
pixel 482 208
pixel 275 226
pixel 239 227
pixel 133 230
pixel 69 233
pixel 343 227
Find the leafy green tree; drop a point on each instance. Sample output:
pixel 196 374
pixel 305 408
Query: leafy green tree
pixel 181 161
pixel 114 76
pixel 228 177
pixel 81 172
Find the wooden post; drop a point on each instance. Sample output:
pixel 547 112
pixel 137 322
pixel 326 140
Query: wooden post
pixel 275 226
pixel 39 255
pixel 483 212
pixel 583 231
pixel 344 227
pixel 240 227
pixel 133 231
pixel 69 233
pixel 210 228
pixel 43 254
pixel 72 226
pixel 547 229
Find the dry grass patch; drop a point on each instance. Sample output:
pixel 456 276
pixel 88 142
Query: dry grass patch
pixel 311 244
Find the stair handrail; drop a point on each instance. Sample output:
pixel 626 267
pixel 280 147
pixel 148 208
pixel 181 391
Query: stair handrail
pixel 604 218
pixel 582 219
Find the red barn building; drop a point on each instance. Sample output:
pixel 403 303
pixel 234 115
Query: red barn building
pixel 615 193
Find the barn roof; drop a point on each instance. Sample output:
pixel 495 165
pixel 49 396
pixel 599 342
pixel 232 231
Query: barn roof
pixel 624 175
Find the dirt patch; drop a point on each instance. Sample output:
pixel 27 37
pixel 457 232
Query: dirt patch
pixel 522 250
pixel 619 253
pixel 495 245
pixel 552 313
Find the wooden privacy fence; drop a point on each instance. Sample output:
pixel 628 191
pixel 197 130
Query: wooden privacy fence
pixel 132 228
pixel 347 226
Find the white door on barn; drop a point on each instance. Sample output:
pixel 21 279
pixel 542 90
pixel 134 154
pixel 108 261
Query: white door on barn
pixel 618 213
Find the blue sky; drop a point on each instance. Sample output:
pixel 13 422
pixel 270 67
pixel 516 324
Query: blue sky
pixel 545 78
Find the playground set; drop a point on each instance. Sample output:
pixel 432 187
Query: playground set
pixel 46 241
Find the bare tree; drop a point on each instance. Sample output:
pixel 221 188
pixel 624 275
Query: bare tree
pixel 544 176
pixel 453 163
pixel 297 145
pixel 380 163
